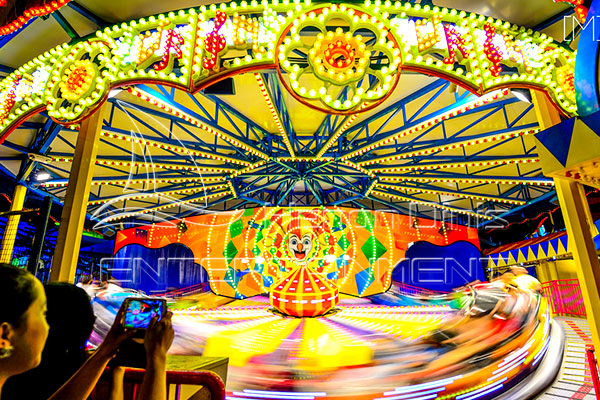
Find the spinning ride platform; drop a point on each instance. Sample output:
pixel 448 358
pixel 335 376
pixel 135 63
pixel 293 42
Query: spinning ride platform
pixel 475 343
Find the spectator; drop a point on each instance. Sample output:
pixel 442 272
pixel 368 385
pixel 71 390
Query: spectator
pixel 158 339
pixel 24 330
pixel 71 321
pixel 23 327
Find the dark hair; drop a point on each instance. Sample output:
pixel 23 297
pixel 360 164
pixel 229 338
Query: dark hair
pixel 70 316
pixel 17 293
pixel 71 319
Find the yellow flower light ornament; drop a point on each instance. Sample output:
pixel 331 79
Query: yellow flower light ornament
pixel 82 77
pixel 339 60
pixel 77 80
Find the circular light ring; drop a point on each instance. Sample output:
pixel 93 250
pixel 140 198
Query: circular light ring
pixel 339 59
pixel 339 55
pixel 83 77
pixel 263 216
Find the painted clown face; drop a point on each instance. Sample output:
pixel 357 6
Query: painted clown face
pixel 300 247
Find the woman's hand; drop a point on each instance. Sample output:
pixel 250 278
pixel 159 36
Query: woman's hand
pixel 159 337
pixel 157 341
pixel 115 336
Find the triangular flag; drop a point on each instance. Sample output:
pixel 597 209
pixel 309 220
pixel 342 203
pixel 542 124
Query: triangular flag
pixel 584 143
pixel 501 261
pixel 543 250
pixel 522 258
pixel 552 245
pixel 530 254
pixel 557 140
pixel 561 249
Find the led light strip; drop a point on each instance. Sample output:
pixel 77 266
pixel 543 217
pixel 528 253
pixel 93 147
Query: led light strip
pixel 232 189
pixel 409 391
pixel 180 114
pixel 429 204
pixel 282 395
pixel 140 181
pixel 267 97
pixel 359 168
pixel 335 137
pixel 248 169
pixel 456 145
pixel 490 163
pixel 432 121
pixel 163 207
pixel 177 149
pixel 306 159
pixel 455 194
pixel 175 167
pixel 31 12
pixel 370 189
pixel 538 182
pixel 155 194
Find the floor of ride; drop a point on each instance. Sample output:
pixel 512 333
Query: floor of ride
pixel 574 380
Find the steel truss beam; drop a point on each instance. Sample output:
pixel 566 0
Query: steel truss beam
pixel 333 179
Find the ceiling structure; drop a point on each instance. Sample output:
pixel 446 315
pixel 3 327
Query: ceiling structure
pixel 155 164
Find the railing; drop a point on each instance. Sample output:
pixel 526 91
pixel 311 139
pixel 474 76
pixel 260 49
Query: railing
pixel 593 364
pixel 564 297
pixel 210 384
pixel 206 381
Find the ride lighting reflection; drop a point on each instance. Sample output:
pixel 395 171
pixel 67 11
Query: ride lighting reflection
pixel 474 342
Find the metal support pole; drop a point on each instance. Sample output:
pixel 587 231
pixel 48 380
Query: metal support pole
pixel 576 213
pixel 12 225
pixel 542 272
pixel 68 241
pixel 573 203
pixel 553 270
pixel 40 234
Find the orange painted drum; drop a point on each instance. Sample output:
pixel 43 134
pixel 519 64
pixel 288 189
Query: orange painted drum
pixel 304 293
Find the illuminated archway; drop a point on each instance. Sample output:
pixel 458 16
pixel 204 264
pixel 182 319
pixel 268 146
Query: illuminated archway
pixel 368 48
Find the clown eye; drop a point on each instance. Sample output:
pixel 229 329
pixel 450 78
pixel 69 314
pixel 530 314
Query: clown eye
pixel 306 242
pixel 294 242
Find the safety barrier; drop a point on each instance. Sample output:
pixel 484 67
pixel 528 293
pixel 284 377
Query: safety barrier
pixel 564 297
pixel 593 364
pixel 208 383
pixel 208 379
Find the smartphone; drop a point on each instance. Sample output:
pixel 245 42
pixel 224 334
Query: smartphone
pixel 139 311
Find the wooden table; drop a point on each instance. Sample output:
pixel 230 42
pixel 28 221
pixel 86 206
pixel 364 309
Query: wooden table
pixel 217 365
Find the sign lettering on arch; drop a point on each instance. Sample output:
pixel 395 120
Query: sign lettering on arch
pixel 317 49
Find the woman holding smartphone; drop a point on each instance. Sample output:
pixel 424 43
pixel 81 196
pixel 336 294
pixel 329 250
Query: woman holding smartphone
pixel 23 333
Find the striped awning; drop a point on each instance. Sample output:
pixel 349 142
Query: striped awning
pixel 553 245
